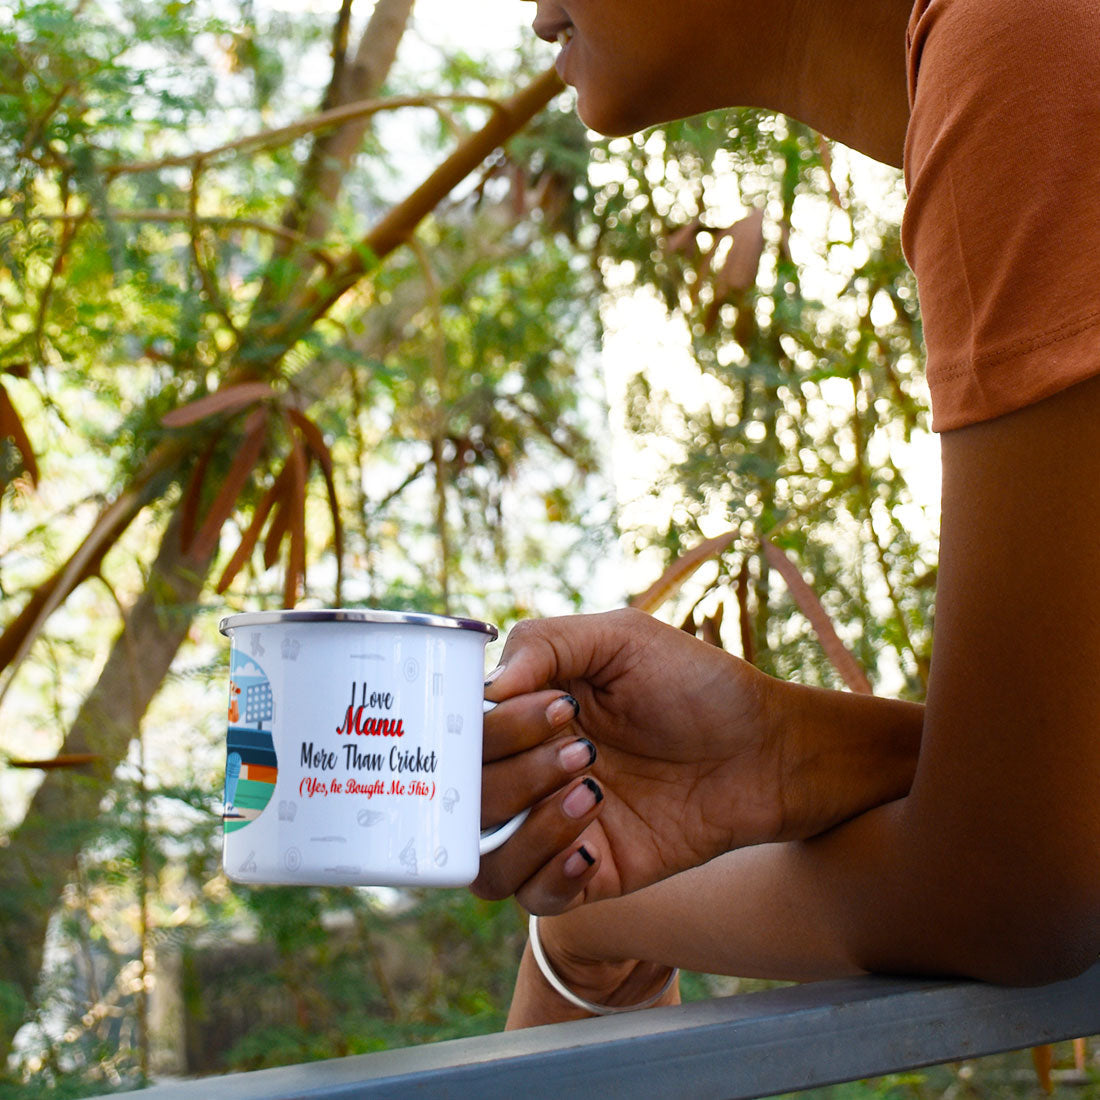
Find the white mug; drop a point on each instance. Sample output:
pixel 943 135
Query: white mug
pixel 353 754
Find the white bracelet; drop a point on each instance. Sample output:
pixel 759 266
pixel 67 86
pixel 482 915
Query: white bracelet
pixel 589 1006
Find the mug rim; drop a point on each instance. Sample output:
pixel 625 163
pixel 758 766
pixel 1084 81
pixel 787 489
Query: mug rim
pixel 353 615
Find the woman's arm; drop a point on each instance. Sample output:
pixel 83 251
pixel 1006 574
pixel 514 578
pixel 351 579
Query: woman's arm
pixel 695 753
pixel 987 867
pixel 734 915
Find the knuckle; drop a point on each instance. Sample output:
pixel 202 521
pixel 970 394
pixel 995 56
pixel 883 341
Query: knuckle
pixel 540 903
pixel 523 632
pixel 490 885
pixel 632 616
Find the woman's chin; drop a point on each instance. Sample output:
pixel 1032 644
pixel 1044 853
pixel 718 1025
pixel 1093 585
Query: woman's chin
pixel 610 119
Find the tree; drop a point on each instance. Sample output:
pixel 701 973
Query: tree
pixel 228 357
pixel 791 453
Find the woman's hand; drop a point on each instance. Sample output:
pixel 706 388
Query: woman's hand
pixel 645 751
pixel 681 764
pixel 615 983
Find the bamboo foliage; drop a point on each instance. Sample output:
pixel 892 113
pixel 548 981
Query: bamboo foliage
pixel 229 436
pixel 239 390
pixel 788 434
pixel 240 386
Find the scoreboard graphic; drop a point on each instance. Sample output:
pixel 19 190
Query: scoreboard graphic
pixel 250 763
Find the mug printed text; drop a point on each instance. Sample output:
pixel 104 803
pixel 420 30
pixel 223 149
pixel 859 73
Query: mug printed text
pixel 357 757
pixel 311 786
pixel 357 720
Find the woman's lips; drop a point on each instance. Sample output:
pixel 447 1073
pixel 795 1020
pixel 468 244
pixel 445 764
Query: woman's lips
pixel 564 37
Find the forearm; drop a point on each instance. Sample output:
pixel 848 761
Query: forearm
pixel 840 753
pixel 740 914
pixel 894 891
pixel 944 880
pixel 798 911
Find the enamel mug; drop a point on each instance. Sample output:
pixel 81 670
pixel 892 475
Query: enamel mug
pixel 353 754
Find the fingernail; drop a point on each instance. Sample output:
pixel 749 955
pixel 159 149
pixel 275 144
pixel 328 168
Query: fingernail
pixel 582 799
pixel 577 755
pixel 495 674
pixel 563 709
pixel 578 863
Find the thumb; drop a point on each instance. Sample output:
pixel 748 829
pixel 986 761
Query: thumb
pixel 541 653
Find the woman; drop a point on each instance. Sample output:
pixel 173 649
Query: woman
pixel 693 812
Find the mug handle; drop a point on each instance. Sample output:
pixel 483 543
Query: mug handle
pixel 492 839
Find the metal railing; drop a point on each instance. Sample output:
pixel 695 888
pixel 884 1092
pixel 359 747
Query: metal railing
pixel 732 1048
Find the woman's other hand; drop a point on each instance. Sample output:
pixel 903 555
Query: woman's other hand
pixel 645 752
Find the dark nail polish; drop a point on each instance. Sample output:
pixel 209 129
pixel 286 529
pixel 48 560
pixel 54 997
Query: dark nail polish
pixel 579 863
pixel 562 710
pixel 577 755
pixel 581 799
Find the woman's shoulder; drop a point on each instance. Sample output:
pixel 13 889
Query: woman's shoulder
pixel 1002 226
pixel 1033 34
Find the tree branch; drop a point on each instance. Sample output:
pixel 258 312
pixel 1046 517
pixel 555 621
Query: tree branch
pixel 394 229
pixel 310 210
pixel 209 286
pixel 283 135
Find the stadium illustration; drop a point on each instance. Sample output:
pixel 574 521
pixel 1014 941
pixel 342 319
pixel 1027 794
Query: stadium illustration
pixel 250 764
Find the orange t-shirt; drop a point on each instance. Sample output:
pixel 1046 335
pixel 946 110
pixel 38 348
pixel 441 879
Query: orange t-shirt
pixel 1002 224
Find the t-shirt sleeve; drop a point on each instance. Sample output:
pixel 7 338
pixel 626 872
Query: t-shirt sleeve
pixel 1002 224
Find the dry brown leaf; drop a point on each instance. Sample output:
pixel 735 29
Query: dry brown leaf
pixel 738 270
pixel 337 524
pixel 192 497
pixel 807 602
pixel 280 524
pixel 235 480
pixel 280 519
pixel 710 630
pixel 252 534
pixel 315 440
pixel 674 576
pixel 1043 1060
pixel 827 164
pixel 684 238
pixel 230 399
pixel 11 427
pixel 294 580
pixel 67 760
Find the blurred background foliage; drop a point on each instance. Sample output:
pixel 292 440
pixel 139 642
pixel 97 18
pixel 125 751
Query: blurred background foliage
pixel 244 365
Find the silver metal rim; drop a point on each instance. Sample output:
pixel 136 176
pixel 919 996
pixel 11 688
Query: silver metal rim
pixel 353 615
